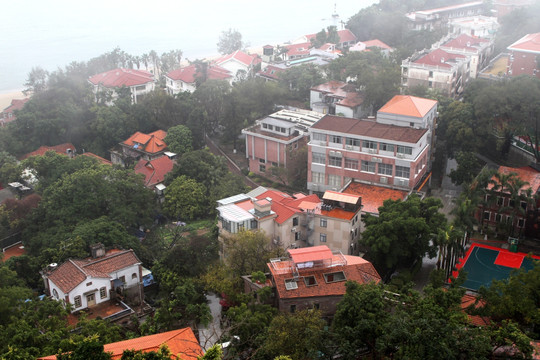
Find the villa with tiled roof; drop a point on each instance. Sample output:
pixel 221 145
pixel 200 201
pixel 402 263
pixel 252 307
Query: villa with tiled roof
pixel 184 78
pixel 315 278
pixel 436 69
pixel 67 149
pixel 238 63
pixel 154 172
pixel 8 115
pixel 346 39
pixel 139 82
pixel 524 55
pixel 337 97
pixel 140 146
pixel 293 221
pixel 375 43
pixel 89 282
pixel 182 344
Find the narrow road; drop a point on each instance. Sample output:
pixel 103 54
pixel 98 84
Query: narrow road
pixel 209 335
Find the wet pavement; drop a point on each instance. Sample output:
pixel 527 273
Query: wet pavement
pixel 210 334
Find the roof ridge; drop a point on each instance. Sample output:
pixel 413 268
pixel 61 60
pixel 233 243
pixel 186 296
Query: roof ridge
pixel 110 256
pixel 77 266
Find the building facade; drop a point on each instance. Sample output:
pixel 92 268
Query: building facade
pixel 478 50
pixel 524 56
pixel 342 149
pixel 274 140
pixel 108 84
pixel 337 97
pixel 432 19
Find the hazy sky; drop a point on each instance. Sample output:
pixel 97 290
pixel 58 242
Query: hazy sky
pixel 52 33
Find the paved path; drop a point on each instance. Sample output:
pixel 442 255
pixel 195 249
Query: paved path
pixel 209 335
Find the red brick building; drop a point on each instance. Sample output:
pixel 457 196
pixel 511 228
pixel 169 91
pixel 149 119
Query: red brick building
pixel 525 56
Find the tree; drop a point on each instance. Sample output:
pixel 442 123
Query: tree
pixel 213 96
pixel 179 139
pixel 170 60
pixel 185 198
pixel 88 348
pixel 214 353
pixel 300 79
pixel 460 129
pixel 299 336
pixel 403 232
pixel 36 81
pixel 230 41
pixel 9 169
pixel 248 251
pixel 468 167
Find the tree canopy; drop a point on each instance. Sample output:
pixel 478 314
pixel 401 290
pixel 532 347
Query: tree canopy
pixel 230 41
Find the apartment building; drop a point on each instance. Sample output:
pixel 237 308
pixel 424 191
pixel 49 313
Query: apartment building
pixel 273 139
pixel 525 56
pixel 342 149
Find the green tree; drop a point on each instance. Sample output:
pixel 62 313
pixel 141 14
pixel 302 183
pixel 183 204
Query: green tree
pixel 213 96
pixel 230 41
pixel 300 79
pixel 468 167
pixel 248 251
pixel 179 139
pixel 185 198
pixel 88 348
pixel 403 232
pixel 9 168
pixel 459 129
pixel 214 353
pixel 299 336
pixel 36 81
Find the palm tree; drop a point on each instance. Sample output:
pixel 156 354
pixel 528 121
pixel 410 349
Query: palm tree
pixel 145 58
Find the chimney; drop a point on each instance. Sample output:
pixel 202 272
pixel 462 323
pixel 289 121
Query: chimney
pixel 97 250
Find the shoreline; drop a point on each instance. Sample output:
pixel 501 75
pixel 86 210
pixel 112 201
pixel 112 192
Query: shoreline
pixel 7 96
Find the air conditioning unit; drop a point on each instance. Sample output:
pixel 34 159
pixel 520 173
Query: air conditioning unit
pixel 348 147
pixel 371 151
pixel 401 182
pixel 400 156
pixel 384 180
pixel 293 229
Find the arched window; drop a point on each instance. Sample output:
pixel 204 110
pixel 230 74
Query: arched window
pixel 55 293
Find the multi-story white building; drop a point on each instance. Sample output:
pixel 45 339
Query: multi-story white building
pixel 293 221
pixel 437 18
pixel 341 149
pixel 479 26
pixel 436 69
pixel 337 97
pixel 478 50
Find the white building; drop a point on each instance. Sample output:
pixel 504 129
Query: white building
pixel 139 83
pixel 89 282
pixel 337 97
pixel 479 26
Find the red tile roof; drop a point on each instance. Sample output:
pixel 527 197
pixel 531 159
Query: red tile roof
pixel 465 41
pixel 528 43
pixel 188 74
pixel 301 49
pixel 151 143
pixel 355 269
pixel 374 196
pixel 240 56
pixel 154 171
pixel 16 104
pixel 344 35
pixel 60 149
pixel 345 94
pixel 313 253
pixel 525 173
pixel 468 300
pixel 182 343
pixel 369 128
pixel 272 72
pixel 408 105
pixel 376 43
pixel 439 57
pixel 122 77
pixel 71 273
pixel 98 158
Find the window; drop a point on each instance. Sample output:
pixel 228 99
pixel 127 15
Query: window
pixel 334 277
pixel 88 283
pixel 521 223
pixel 297 236
pixel 351 163
pixel 487 215
pixel 512 203
pixel 334 181
pixel 385 169
pixel 78 302
pixel 386 147
pixel 293 309
pixel 310 281
pixel 335 161
pixel 262 161
pixel 290 284
pixel 134 275
pixel 253 224
pixel 123 279
pixel 403 172
pixel 318 158
pixel 369 144
pixel 411 124
pixel 316 306
pixel 407 150
pixel 319 137
pixel 335 139
pixel 55 293
pixel 523 205
pixel 262 168
pixel 317 177
pixel 368 166
pixel 498 218
pixel 322 238
pixel 295 221
pixel 352 142
pixel 500 200
pixel 265 126
pixel 103 293
pixel 324 223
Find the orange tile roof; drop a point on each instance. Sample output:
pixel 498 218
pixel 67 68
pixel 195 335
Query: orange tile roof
pixel 122 77
pixel 338 213
pixel 373 196
pixel 355 269
pixel 376 43
pixel 154 171
pixel 468 300
pixel 408 105
pixel 151 143
pixel 525 173
pixel 312 253
pixel 182 343
pixel 60 149
pixel 99 158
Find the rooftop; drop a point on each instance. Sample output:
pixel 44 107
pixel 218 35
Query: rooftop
pixel 529 43
pixel 122 77
pixel 189 73
pixel 151 143
pixel 525 173
pixel 440 58
pixel 59 149
pixel 408 105
pixel 154 171
pixel 373 196
pixel 370 129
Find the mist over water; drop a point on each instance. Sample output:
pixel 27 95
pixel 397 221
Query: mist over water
pixel 51 34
